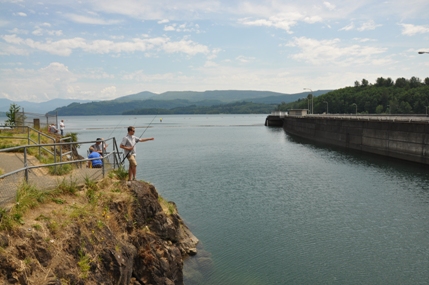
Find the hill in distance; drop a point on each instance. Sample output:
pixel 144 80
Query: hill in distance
pixel 178 99
pixel 40 108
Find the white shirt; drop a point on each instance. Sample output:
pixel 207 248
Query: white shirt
pixel 130 141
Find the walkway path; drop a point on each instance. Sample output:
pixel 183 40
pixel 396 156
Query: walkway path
pixel 38 177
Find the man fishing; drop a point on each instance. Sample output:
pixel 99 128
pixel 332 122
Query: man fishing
pixel 129 145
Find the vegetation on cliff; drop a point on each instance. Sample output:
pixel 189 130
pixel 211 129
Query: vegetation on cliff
pixel 104 232
pixel 402 96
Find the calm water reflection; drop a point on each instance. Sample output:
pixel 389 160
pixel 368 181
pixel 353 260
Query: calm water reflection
pixel 273 209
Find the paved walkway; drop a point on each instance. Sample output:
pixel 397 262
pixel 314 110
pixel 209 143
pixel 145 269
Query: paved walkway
pixel 38 177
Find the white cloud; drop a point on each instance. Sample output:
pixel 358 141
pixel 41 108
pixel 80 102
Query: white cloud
pixel 318 52
pixel 349 27
pixel 210 63
pixel 52 82
pixel 90 20
pixel 281 21
pixel 6 50
pixel 365 26
pixel 38 31
pixel 169 28
pixel 364 40
pixel 329 5
pixel 164 21
pixel 244 59
pixel 21 14
pixel 369 25
pixel 65 47
pixel 109 92
pixel 186 27
pixel 18 31
pixel 411 30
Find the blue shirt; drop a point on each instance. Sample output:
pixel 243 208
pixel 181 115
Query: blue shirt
pixel 95 162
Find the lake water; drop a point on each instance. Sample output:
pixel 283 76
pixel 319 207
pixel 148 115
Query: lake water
pixel 269 208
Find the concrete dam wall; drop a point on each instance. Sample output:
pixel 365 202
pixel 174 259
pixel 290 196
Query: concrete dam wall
pixel 404 138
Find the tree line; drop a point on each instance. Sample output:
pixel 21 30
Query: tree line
pixel 402 96
pixel 231 108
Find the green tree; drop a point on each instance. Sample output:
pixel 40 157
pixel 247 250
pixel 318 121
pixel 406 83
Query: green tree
pixel 405 108
pixel 389 82
pixel 401 82
pixel 379 109
pixel 364 82
pixel 415 82
pixel 380 82
pixel 14 116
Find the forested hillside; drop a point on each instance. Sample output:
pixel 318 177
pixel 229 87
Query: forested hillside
pixel 402 96
pixel 184 102
pixel 231 108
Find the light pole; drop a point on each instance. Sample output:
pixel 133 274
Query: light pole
pixel 422 52
pixel 326 107
pixel 356 108
pixel 311 98
pixel 388 106
pixel 308 104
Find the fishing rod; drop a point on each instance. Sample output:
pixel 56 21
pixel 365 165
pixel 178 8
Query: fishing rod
pixel 122 162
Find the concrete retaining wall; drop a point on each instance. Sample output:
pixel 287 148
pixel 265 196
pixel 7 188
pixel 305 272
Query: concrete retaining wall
pixel 398 139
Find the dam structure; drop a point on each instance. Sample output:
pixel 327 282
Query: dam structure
pixel 399 136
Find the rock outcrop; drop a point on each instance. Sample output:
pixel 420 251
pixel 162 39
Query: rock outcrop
pixel 122 238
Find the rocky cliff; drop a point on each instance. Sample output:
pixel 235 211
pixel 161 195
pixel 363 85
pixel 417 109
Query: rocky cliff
pixel 101 233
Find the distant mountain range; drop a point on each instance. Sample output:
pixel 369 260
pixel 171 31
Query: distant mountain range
pixel 178 101
pixel 40 108
pixel 148 100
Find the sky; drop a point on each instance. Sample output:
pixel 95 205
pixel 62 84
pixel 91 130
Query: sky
pixel 105 49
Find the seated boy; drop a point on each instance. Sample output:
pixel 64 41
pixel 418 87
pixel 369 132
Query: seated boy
pixel 96 163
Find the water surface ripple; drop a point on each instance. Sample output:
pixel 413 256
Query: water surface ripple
pixel 273 209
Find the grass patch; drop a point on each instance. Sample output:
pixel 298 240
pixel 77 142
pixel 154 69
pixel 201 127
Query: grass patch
pixel 60 169
pixel 37 227
pixel 90 183
pixel 68 187
pixel 120 173
pixel 84 264
pixel 168 207
pixel 27 197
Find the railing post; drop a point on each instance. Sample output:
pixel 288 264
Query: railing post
pixel 102 166
pixel 55 156
pixel 38 138
pixel 25 164
pixel 71 149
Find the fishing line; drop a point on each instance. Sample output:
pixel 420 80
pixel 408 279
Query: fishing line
pixel 123 117
pixel 122 162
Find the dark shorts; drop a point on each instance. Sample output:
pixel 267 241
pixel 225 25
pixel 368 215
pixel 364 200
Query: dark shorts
pixel 97 166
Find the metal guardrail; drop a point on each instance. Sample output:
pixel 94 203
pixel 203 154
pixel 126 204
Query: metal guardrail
pixel 370 117
pixel 38 174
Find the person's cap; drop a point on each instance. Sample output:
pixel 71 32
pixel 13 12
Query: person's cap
pixel 99 139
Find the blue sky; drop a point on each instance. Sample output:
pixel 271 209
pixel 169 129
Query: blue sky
pixel 104 49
